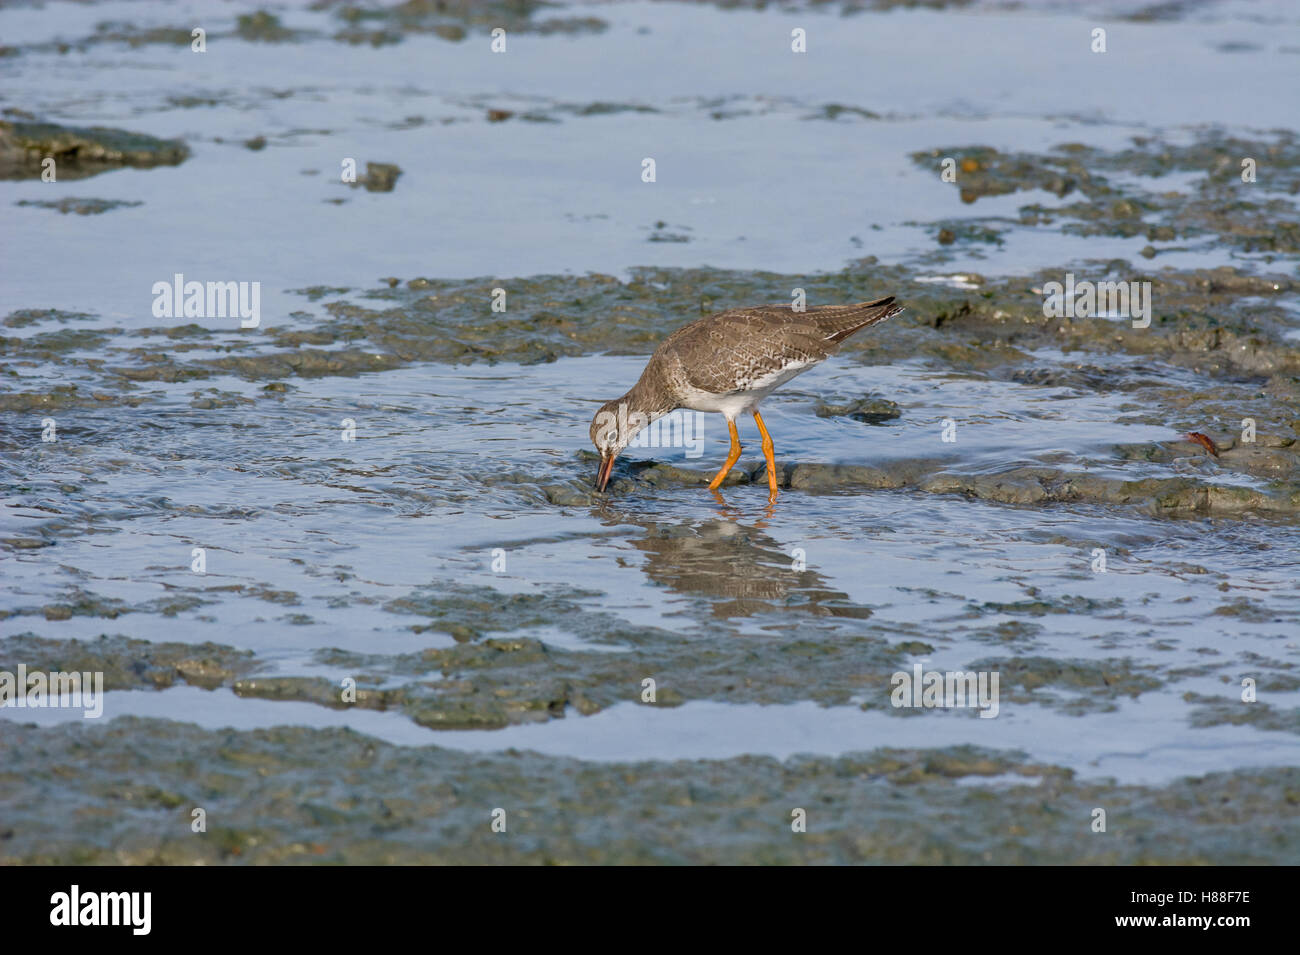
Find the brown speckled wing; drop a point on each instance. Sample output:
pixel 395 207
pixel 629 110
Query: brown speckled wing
pixel 733 349
pixel 841 321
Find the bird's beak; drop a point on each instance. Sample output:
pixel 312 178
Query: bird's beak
pixel 603 472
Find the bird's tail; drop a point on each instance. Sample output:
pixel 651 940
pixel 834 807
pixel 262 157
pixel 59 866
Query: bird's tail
pixel 841 321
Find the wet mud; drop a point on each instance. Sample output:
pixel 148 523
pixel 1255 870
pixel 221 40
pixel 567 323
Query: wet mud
pixel 347 22
pixel 1218 352
pixel 295 795
pixel 411 620
pixel 1112 193
pixel 79 153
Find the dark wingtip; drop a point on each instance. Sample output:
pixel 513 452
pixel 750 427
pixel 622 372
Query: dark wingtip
pixel 890 308
pixel 881 308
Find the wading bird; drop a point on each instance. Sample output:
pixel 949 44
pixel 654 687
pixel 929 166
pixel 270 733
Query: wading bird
pixel 728 363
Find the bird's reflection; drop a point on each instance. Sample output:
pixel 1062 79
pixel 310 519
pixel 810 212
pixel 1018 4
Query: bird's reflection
pixel 738 561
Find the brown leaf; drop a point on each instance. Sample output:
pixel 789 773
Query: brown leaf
pixel 1204 441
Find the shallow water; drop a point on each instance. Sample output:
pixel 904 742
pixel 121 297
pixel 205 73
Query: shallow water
pixel 521 198
pixel 452 558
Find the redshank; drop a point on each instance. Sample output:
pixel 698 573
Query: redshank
pixel 729 362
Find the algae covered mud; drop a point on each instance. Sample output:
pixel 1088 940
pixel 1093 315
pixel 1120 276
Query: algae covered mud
pixel 303 332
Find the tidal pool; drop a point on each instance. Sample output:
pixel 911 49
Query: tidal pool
pixel 344 573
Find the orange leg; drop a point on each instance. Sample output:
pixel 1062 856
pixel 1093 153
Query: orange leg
pixel 732 458
pixel 769 452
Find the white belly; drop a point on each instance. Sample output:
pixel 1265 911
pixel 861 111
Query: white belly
pixel 734 403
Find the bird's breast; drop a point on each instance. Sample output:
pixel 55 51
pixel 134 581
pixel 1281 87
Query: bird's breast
pixel 741 391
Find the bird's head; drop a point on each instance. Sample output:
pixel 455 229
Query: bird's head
pixel 612 430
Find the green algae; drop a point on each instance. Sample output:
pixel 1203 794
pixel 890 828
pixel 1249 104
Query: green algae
pixel 1081 686
pixel 127 663
pixel 486 682
pixel 23 317
pixel 263 27
pixel 377 26
pixel 80 152
pixel 296 795
pixel 868 410
pixel 1211 323
pixel 334 796
pixel 1254 215
pixel 82 207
